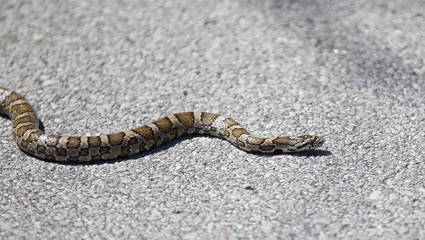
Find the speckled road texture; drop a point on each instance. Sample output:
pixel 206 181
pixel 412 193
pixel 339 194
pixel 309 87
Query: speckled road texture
pixel 350 71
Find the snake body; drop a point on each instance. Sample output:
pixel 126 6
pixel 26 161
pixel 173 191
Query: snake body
pixel 35 142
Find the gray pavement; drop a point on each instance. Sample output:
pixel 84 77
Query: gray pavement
pixel 350 71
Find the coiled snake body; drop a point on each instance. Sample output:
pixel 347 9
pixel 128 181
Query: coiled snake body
pixel 33 141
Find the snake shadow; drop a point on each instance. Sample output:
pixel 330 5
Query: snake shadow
pixel 165 146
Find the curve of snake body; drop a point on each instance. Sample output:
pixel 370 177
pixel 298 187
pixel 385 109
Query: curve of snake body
pixel 35 142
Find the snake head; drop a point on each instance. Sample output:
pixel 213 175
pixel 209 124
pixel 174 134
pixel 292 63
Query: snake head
pixel 307 142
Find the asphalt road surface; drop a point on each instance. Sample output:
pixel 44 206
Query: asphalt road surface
pixel 349 71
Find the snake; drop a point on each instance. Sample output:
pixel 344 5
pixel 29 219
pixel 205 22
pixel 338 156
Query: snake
pixel 57 148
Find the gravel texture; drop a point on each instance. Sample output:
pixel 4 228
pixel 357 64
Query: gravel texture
pixel 350 71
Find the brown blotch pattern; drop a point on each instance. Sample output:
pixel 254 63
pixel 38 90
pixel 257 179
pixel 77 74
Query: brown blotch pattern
pixel 83 152
pixel 104 150
pixel 73 142
pixel 240 143
pixel 27 119
pixel 239 131
pixel 283 141
pixel 13 97
pixel 94 141
pixel 116 139
pixel 132 141
pixel 145 131
pixel 41 149
pixel 61 152
pixel 164 124
pixel 187 119
pixel 125 151
pixel 23 129
pixel 19 109
pixel 24 144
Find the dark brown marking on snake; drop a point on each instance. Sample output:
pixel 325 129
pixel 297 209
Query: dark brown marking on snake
pixel 144 131
pixel 23 129
pixel 61 152
pixel 83 152
pixel 240 143
pixel 104 150
pixel 41 149
pixel 163 124
pixel 26 119
pixel 32 137
pixel 94 141
pixel 12 98
pixel 132 140
pixel 19 109
pixel 24 144
pixel 237 132
pixel 201 117
pixel 125 151
pixel 116 139
pixel 282 141
pixel 301 146
pixel 187 119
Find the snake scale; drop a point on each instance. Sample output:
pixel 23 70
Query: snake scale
pixel 35 142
